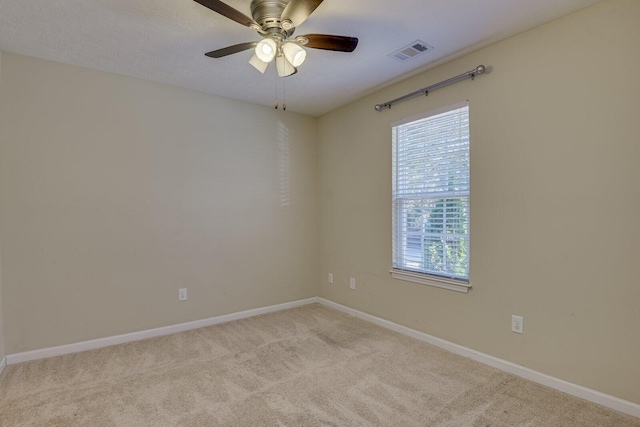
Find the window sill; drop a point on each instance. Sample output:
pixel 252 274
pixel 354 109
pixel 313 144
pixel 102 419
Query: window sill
pixel 431 280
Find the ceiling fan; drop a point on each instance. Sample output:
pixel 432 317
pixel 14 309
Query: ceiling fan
pixel 276 21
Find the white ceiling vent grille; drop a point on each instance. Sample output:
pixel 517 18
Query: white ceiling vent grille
pixel 411 51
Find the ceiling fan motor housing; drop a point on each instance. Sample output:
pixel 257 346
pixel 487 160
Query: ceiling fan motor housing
pixel 267 13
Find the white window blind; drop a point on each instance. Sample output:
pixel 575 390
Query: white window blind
pixel 431 198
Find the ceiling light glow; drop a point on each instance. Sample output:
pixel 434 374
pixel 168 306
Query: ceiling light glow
pixel 266 50
pixel 294 53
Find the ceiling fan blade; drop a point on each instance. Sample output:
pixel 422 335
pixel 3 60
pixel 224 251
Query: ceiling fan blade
pixel 229 50
pixel 329 42
pixel 226 10
pixel 297 11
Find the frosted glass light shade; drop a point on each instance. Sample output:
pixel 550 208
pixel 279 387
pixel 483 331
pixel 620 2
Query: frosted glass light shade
pixel 266 50
pixel 258 64
pixel 294 53
pixel 284 66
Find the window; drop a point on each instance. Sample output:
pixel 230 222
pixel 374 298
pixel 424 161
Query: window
pixel 431 199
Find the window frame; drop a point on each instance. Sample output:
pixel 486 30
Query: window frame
pixel 426 277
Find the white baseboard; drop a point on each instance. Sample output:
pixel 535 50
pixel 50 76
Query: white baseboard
pixel 594 396
pixel 149 333
pixel 621 405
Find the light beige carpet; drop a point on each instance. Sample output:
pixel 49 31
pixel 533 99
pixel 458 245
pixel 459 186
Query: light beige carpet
pixel 303 367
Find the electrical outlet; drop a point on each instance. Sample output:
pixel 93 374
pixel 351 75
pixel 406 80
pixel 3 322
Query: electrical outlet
pixel 182 294
pixel 352 283
pixel 517 324
pixel 330 277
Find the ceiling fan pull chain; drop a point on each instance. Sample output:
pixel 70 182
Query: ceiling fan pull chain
pixel 284 95
pixel 275 105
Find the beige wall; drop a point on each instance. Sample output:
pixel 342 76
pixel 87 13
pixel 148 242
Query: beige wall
pixel 116 192
pixel 555 202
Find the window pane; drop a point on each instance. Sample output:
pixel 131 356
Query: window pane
pixel 431 194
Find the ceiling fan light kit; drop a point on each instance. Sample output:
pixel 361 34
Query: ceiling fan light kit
pixel 275 21
pixel 294 53
pixel 266 50
pixel 284 67
pixel 258 64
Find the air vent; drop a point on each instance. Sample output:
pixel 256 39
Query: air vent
pixel 411 51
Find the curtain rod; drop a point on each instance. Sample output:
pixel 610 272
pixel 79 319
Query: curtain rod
pixel 480 69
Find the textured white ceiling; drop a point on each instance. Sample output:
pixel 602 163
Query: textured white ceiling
pixel 165 41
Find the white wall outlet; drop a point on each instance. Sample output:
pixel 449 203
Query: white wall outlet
pixel 330 277
pixel 517 324
pixel 352 283
pixel 182 294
